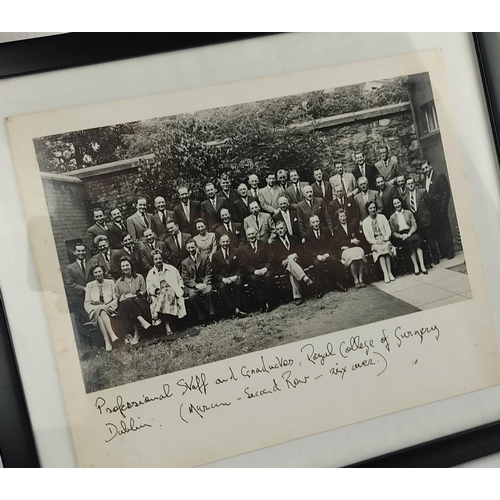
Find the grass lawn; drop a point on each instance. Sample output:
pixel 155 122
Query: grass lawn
pixel 233 337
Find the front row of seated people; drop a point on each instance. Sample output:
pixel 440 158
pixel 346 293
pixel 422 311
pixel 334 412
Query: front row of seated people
pixel 147 286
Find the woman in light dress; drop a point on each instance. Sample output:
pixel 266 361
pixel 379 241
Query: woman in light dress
pixel 165 287
pixel 378 234
pixel 100 304
pixel 207 242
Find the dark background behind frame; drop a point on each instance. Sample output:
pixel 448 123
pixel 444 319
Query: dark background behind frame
pixel 77 49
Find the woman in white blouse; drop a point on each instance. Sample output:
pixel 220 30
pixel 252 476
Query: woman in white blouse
pixel 207 242
pixel 404 231
pixel 378 234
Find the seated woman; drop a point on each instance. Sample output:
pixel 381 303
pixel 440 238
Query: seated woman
pixel 404 232
pixel 164 285
pixel 206 242
pixel 133 307
pixel 100 304
pixel 378 234
pixel 348 240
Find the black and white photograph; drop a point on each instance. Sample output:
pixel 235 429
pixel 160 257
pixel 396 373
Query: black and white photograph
pixel 193 238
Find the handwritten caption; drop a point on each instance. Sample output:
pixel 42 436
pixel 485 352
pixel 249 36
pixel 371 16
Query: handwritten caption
pixel 197 397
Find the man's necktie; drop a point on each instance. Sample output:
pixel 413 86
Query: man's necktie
pixel 316 234
pixel 146 223
pixel 413 203
pixel 254 246
pixel 226 256
pixel 214 203
pixel 287 244
pixel 82 262
pixel 323 189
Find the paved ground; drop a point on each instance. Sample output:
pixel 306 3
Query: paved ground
pixel 442 286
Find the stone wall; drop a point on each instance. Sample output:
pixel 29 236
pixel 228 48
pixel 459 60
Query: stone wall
pixel 68 211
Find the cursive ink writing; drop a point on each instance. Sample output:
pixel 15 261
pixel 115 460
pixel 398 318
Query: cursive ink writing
pixel 199 410
pixel 313 356
pixel 124 428
pixel 262 392
pixel 420 332
pixel 293 383
pixel 222 380
pixel 196 383
pixel 266 367
pixel 355 344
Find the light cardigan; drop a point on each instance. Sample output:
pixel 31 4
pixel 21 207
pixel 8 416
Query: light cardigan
pixel 385 229
pixel 409 219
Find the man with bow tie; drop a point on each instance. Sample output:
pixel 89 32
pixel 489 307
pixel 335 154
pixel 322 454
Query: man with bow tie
pixel 321 188
pixel 160 218
pixel 257 261
pixel 241 207
pixel 211 207
pixel 387 166
pixel 260 221
pixel 438 188
pixel 288 216
pixel 187 211
pixel 99 228
pixel 138 222
pixel 226 264
pixel 227 227
pixel 106 257
pixel 196 272
pixel 116 229
pixel 285 250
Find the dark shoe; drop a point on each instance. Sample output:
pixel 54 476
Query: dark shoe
pixel 320 295
pixel 240 313
pixel 341 288
pixel 308 281
pixel 417 273
pixel 436 262
pixel 425 272
pixel 362 284
pixel 298 302
pixel 451 256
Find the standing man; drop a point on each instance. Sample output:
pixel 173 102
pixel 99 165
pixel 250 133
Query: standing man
pixel 321 189
pixel 347 203
pixel 387 167
pixel 99 228
pixel 320 250
pixel 285 250
pixel 257 261
pixel 364 196
pixel 133 252
pixel 387 192
pixel 160 218
pixel 438 188
pixel 253 182
pixel 282 178
pixel 401 187
pixel 138 222
pixel 344 179
pixel 261 222
pixel 241 207
pixel 148 245
pixel 176 244
pixel 420 203
pixel 106 257
pixel 226 264
pixel 294 190
pixel 211 207
pixel 288 216
pixel 187 211
pixel 268 196
pixel 116 229
pixel 225 189
pixel 363 169
pixel 197 276
pixel 312 206
pixel 234 230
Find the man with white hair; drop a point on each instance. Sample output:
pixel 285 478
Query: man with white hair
pixel 253 182
pixel 160 218
pixel 260 221
pixel 364 196
pixel 312 206
pixel 288 216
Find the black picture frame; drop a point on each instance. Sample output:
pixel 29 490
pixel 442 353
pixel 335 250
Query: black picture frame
pixel 56 52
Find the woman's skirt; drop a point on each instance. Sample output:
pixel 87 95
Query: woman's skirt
pixel 381 248
pixel 130 309
pixel 166 302
pixel 351 254
pixel 97 311
pixel 411 243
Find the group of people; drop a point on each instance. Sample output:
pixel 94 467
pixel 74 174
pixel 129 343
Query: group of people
pixel 136 274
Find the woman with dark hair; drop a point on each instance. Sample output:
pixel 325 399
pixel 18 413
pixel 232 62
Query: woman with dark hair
pixel 348 239
pixel 378 234
pixel 207 242
pixel 166 288
pixel 100 305
pixel 133 307
pixel 404 232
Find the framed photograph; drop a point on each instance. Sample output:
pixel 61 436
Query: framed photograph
pixel 266 259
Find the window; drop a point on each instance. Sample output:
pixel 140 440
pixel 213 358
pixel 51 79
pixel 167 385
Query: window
pixel 429 117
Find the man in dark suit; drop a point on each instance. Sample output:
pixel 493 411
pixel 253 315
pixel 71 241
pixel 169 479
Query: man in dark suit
pixel 253 182
pixel 210 208
pixel 187 211
pixel 160 218
pixel 312 206
pixel 147 245
pixel 285 251
pixel 196 272
pixel 176 244
pixel 320 251
pixel 364 196
pixel 438 188
pixel 321 188
pixel 226 265
pixel 106 257
pixel 420 203
pixel 100 227
pixel 387 192
pixel 241 207
pixel 225 189
pixel 138 222
pixel 132 251
pixel 363 169
pixel 288 216
pixel 294 191
pixel 116 229
pixel 227 227
pixel 387 166
pixel 282 178
pixel 257 260
pixel 347 203
pixel 401 187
